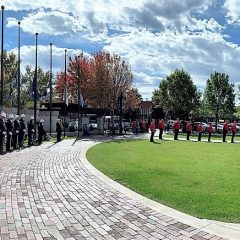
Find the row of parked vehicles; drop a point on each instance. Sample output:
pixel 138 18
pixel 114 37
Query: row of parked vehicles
pixel 92 125
pixel 183 123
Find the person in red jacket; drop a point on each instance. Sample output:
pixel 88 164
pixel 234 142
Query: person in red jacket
pixel 189 129
pixel 200 130
pixel 161 127
pixel 152 129
pixel 234 130
pixel 176 128
pixel 209 131
pixel 225 130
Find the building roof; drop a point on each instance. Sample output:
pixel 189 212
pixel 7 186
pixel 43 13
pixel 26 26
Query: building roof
pixel 146 104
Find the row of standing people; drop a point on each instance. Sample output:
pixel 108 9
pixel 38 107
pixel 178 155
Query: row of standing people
pixel 14 130
pixel 189 129
pixel 139 126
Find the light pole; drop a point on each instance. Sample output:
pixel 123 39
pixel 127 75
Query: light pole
pixel 2 73
pixel 18 75
pixel 50 86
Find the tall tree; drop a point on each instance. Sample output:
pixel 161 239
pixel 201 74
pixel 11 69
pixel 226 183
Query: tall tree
pixel 78 74
pixel 177 94
pixel 27 86
pixel 112 77
pixel 10 79
pixel 219 96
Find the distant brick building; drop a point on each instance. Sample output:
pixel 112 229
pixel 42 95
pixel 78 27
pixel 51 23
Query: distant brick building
pixel 145 110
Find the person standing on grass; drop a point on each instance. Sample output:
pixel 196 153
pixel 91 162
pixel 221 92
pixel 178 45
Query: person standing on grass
pixel 161 127
pixel 153 130
pixel 189 129
pixel 225 130
pixel 209 131
pixel 234 130
pixel 176 128
pixel 200 130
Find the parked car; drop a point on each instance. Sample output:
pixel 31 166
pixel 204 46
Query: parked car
pixel 169 124
pixel 204 125
pixel 92 125
pixel 219 127
pixel 230 127
pixel 126 125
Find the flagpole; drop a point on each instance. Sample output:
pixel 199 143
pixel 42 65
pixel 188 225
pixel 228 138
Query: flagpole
pixel 18 75
pixel 65 92
pixel 50 85
pixel 2 74
pixel 35 85
pixel 78 68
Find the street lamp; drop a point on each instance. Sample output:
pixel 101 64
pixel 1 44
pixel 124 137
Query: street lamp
pixel 2 74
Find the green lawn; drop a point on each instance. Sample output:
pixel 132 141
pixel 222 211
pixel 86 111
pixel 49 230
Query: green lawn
pixel 201 179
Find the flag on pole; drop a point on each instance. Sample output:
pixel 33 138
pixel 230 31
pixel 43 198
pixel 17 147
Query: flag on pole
pixel 35 93
pixel 82 102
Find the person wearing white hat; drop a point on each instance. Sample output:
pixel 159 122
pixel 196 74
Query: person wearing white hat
pixel 2 132
pixel 31 131
pixel 9 127
pixel 22 131
pixel 16 129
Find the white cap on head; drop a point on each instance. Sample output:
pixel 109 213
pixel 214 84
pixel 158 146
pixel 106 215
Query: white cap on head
pixel 23 116
pixel 41 121
pixel 16 116
pixel 32 118
pixel 11 116
pixel 3 114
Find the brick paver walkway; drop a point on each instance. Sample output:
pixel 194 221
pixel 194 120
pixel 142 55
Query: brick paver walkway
pixel 47 192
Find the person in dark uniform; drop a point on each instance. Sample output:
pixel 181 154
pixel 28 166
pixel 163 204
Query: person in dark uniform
pixel 176 128
pixel 152 130
pixel 225 130
pixel 9 128
pixel 161 128
pixel 2 132
pixel 41 131
pixel 16 129
pixel 31 130
pixel 189 129
pixel 59 128
pixel 22 131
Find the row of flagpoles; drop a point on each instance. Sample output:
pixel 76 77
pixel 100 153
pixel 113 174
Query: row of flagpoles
pixel 34 84
pixel 35 93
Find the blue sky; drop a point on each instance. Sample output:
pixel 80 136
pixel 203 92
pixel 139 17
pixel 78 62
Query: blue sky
pixel 154 36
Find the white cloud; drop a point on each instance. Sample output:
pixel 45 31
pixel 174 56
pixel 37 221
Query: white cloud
pixel 154 36
pixel 153 56
pixel 28 57
pixel 233 11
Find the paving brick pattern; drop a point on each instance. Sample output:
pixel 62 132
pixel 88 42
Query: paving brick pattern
pixel 47 192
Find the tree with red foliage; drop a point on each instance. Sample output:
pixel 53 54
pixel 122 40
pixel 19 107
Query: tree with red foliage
pixel 102 79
